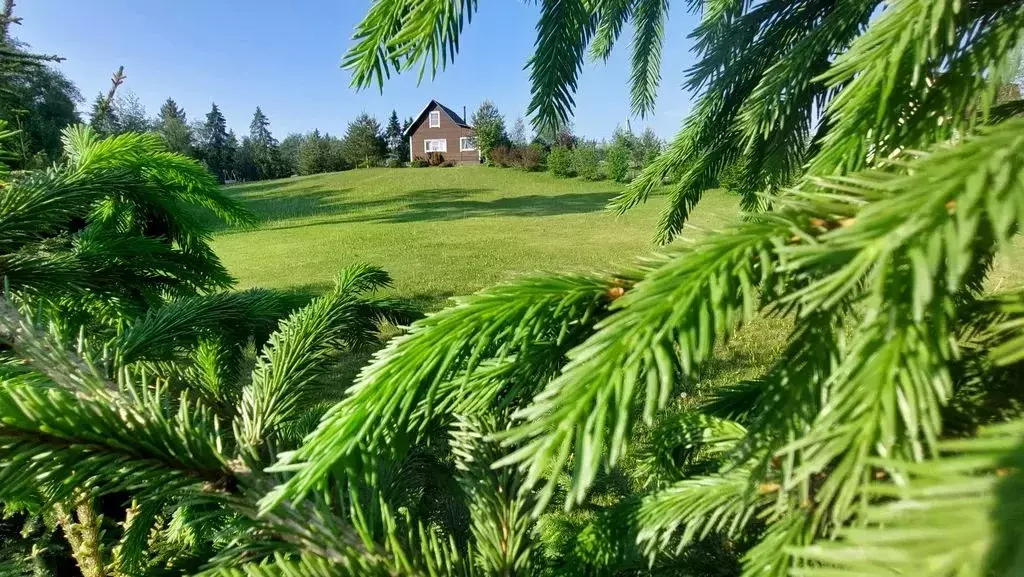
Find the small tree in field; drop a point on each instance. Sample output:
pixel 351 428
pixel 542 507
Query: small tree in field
pixel 489 128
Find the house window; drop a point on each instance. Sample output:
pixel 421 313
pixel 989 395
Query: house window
pixel 467 143
pixel 435 145
pixel 435 119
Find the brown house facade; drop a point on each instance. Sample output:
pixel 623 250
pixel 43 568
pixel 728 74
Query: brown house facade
pixel 439 129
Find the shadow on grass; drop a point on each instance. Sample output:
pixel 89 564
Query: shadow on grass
pixel 422 302
pixel 451 204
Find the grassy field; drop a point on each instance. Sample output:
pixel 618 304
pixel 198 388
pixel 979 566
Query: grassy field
pixel 447 232
pixel 439 232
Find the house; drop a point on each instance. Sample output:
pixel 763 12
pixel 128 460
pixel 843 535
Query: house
pixel 439 129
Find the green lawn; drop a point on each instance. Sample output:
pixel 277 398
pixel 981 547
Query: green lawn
pixel 440 232
pixel 447 232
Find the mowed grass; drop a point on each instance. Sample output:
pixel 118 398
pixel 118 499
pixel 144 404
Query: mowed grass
pixel 448 232
pixel 440 232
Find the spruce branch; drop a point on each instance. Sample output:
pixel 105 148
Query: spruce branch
pixel 300 350
pixel 660 333
pixel 649 17
pixel 699 506
pixel 612 15
pixel 930 72
pixel 958 514
pixel 499 509
pixel 399 391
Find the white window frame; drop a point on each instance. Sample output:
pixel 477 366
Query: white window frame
pixel 435 119
pixel 463 147
pixel 428 148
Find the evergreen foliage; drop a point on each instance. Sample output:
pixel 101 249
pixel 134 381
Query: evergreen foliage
pixel 212 146
pixel 871 135
pixel 289 148
pixel 548 425
pixel 264 152
pixel 364 144
pixel 394 136
pixel 172 124
pixel 320 153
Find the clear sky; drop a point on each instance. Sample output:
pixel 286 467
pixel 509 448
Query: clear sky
pixel 285 57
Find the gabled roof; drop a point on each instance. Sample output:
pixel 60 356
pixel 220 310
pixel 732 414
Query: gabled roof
pixel 451 114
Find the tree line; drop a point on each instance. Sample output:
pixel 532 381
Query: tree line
pixel 257 155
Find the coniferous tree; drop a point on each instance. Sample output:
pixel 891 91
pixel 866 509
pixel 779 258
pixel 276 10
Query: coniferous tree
pixel 289 148
pixel 103 116
pixel 231 146
pixel 266 155
pixel 170 109
pixel 364 144
pixel 172 124
pixel 320 153
pixel 395 139
pixel 245 166
pixel 213 146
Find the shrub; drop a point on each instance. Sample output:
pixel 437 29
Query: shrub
pixel 447 164
pixel 585 163
pixel 419 162
pixel 501 156
pixel 560 162
pixel 435 158
pixel 394 163
pixel 529 158
pixel 617 162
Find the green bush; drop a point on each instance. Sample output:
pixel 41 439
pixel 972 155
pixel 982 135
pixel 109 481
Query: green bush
pixel 585 163
pixel 617 162
pixel 419 162
pixel 560 162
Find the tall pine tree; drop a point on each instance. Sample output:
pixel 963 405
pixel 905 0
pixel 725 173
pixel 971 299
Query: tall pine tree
pixel 393 135
pixel 213 144
pixel 266 156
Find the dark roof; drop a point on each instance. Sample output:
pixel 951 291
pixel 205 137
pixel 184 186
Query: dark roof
pixel 451 114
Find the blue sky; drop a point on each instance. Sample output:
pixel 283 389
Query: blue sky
pixel 285 57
